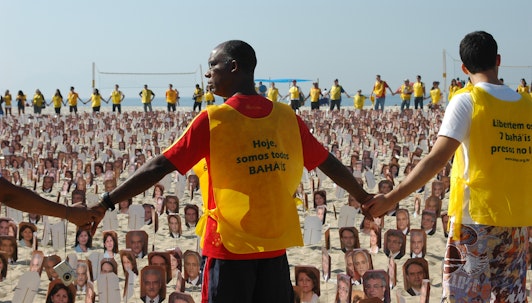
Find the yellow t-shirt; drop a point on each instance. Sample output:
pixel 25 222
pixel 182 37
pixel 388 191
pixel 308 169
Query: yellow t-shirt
pixel 8 99
pixel 359 100
pixel 418 89
pixel 336 92
pixel 435 96
pixel 294 93
pixel 38 100
pixel 145 95
pixel 96 100
pixel 73 99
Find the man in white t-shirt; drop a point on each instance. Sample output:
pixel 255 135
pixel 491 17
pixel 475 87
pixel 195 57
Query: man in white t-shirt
pixel 490 199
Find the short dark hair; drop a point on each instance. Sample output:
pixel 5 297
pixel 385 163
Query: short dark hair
pixel 478 51
pixel 242 52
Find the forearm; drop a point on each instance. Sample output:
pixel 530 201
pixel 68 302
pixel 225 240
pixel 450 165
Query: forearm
pixel 335 170
pixel 427 168
pixel 145 177
pixel 26 200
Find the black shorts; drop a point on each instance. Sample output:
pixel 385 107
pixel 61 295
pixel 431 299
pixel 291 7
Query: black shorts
pixel 247 281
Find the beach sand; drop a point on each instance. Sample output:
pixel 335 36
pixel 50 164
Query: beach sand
pixel 307 255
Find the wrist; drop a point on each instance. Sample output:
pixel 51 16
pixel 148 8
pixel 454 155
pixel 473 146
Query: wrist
pixel 106 201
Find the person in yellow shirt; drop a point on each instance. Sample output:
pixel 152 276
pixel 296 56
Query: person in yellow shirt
pixel 489 215
pixel 96 100
pixel 406 91
pixel 8 99
pixel 359 100
pixel 379 90
pixel 21 102
pixel 198 97
pixel 523 88
pixel 57 101
pixel 314 95
pixel 146 96
pixel 453 88
pixel 73 98
pixel 209 96
pixel 38 102
pixel 295 94
pixel 435 96
pixel 273 93
pixel 172 98
pixel 116 98
pixel 335 95
pixel 419 93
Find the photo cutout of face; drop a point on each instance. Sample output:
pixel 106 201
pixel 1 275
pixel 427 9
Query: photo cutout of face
pixel 192 263
pixel 325 264
pixel 3 266
pixel 308 281
pixel 433 204
pixel 129 261
pixel 402 219
pixel 137 241
pixel 349 239
pixel 191 215
pixel 110 243
pixel 37 261
pixel 375 239
pixel 178 297
pixel 438 189
pixel 376 285
pixel 60 293
pixel 414 272
pixel 8 244
pixel 362 262
pixel 108 266
pixel 321 212
pixel 152 286
pixel 49 263
pixel 174 225
pixel 418 240
pixel 162 259
pixel 172 205
pixel 428 222
pixel 445 224
pixel 343 289
pixel 394 243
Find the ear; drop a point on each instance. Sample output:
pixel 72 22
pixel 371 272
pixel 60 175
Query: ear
pixel 465 70
pixel 498 60
pixel 234 65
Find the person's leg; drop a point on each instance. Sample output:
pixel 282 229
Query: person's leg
pixel 331 105
pixel 486 263
pixel 145 107
pixel 273 274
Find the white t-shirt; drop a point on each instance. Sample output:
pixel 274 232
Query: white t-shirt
pixel 456 124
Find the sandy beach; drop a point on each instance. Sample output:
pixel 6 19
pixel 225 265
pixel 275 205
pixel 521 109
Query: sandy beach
pixel 390 125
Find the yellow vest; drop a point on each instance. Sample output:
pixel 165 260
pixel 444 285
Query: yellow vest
pixel 418 89
pixel 359 100
pixel 96 100
pixel 209 97
pixel 406 92
pixel 315 94
pixel 273 94
pixel 171 96
pixel 146 95
pixel 254 178
pixel 7 100
pixel 57 101
pixel 294 93
pixel 72 99
pixel 379 90
pixel 452 90
pixel 435 95
pixel 523 89
pixel 336 92
pixel 500 161
pixel 116 96
pixel 38 100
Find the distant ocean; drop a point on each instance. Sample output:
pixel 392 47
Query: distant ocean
pixel 188 102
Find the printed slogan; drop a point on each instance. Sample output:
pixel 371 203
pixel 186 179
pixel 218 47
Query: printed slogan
pixel 266 159
pixel 514 137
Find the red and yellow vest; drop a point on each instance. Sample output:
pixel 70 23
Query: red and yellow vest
pixel 253 179
pixel 500 161
pixel 379 89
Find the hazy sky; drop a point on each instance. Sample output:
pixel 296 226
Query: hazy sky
pixel 52 44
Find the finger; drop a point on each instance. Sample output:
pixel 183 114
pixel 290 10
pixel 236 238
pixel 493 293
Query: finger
pixel 95 223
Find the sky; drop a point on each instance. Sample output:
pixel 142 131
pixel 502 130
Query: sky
pixel 53 44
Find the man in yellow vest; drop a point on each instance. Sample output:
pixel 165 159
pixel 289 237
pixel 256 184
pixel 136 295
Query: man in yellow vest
pixel 146 96
pixel 116 99
pixel 172 98
pixel 419 93
pixel 250 153
pixel 488 128
pixel 335 95
pixel 379 91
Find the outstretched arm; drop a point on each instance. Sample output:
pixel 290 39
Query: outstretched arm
pixel 429 166
pixel 335 170
pixel 26 200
